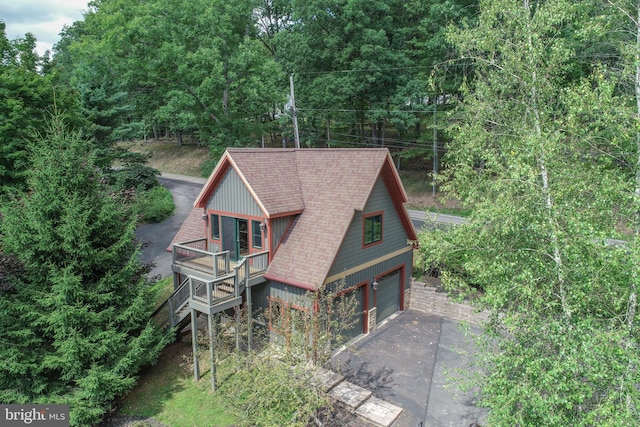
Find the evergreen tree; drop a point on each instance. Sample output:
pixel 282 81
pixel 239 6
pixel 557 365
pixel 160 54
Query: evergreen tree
pixel 75 325
pixel 26 95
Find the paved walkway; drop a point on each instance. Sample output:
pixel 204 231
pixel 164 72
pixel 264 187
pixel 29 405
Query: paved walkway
pixel 406 362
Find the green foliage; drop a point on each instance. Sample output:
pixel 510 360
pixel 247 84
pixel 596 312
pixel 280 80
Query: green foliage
pixel 199 70
pixel 78 315
pixel 134 176
pixel 218 70
pixel 271 392
pixel 28 98
pixel 276 382
pixel 369 72
pixel 540 153
pixel 154 205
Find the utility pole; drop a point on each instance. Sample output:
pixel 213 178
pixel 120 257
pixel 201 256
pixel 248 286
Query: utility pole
pixel 293 113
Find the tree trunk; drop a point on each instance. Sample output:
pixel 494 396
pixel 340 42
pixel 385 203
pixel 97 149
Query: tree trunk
pixel 631 309
pixel 544 174
pixel 179 138
pixel 225 92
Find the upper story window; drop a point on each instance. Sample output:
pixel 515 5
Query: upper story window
pixel 215 226
pixel 372 228
pixel 256 234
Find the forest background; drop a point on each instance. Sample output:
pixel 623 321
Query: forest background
pixel 533 104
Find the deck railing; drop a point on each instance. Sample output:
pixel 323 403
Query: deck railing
pixel 165 315
pixel 211 292
pixel 228 282
pixel 251 266
pixel 192 253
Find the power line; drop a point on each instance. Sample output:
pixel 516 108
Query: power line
pixel 367 70
pixel 389 142
pixel 368 110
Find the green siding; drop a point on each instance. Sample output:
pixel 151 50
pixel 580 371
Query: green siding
pixel 369 274
pixel 351 253
pixel 279 226
pixel 231 195
pixel 291 294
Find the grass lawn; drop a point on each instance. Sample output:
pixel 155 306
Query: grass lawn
pixel 417 185
pixel 168 393
pixel 167 157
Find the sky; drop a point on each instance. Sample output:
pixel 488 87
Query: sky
pixel 43 18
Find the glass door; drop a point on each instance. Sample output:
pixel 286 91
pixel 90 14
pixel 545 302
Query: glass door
pixel 229 237
pixel 243 237
pixel 235 237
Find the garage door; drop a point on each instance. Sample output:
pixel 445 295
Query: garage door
pixel 354 327
pixel 388 295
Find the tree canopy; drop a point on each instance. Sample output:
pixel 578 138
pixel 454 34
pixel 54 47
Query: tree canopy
pixel 365 72
pixel 77 312
pixel 544 150
pixel 27 97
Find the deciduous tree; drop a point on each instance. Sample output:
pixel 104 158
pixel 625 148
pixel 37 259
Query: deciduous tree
pixel 535 157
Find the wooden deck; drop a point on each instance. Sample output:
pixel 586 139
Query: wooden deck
pixel 211 282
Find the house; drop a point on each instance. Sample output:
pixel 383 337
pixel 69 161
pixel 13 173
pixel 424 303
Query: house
pixel 270 225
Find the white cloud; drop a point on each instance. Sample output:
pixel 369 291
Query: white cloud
pixel 43 18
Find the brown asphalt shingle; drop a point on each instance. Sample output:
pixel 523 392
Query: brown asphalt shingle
pixel 331 183
pixel 326 185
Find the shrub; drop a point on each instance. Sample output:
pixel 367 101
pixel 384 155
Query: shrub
pixel 154 205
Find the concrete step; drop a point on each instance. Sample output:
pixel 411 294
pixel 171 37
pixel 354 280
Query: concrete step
pixel 357 399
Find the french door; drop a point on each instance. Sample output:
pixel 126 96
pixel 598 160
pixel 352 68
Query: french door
pixel 235 237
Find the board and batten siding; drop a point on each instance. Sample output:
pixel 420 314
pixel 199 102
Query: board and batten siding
pixel 278 228
pixel 370 273
pixel 232 195
pixel 260 295
pixel 288 293
pixel 394 236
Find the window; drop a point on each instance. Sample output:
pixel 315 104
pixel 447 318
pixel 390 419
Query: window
pixel 290 321
pixel 372 229
pixel 215 227
pixel 256 234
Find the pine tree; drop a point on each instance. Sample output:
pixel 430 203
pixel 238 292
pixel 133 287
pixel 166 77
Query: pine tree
pixel 75 325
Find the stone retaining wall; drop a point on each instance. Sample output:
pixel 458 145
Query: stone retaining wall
pixel 425 298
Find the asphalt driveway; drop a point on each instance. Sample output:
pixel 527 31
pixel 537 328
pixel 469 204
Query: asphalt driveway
pixel 155 238
pixel 407 361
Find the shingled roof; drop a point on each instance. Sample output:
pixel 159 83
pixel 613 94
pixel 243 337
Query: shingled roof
pixel 324 186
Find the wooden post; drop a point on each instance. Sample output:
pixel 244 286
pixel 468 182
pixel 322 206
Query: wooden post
pixel 294 116
pixel 212 353
pixel 249 319
pixel 194 339
pixel 435 149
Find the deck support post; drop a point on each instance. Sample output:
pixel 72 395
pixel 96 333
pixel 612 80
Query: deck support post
pixel 249 319
pixel 212 333
pixel 238 320
pixel 194 339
